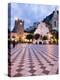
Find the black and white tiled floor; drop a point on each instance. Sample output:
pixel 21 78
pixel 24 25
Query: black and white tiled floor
pixel 33 60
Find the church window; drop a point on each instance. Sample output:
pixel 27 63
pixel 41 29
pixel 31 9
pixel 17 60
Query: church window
pixel 55 23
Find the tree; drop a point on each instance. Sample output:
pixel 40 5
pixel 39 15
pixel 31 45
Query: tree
pixel 55 33
pixel 45 38
pixel 29 37
pixel 36 36
pixel 55 36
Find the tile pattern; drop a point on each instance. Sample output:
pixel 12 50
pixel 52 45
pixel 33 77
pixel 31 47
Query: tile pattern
pixel 33 60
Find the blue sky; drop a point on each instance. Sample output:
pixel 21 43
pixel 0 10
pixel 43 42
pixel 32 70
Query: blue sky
pixel 30 13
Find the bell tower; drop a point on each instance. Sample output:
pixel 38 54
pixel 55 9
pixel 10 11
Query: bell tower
pixel 19 27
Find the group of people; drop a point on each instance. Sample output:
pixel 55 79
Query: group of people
pixel 13 43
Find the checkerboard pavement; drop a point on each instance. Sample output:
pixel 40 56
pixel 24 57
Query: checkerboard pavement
pixel 33 60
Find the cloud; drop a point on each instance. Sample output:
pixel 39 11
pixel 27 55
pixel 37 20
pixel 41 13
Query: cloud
pixel 30 12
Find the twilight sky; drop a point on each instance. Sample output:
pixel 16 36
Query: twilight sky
pixel 29 13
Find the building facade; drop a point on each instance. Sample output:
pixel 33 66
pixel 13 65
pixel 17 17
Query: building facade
pixel 55 20
pixel 18 29
pixel 49 24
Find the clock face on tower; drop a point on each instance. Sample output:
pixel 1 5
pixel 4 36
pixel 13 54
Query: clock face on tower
pixel 20 23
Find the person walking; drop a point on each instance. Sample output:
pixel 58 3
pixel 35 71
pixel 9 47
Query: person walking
pixel 13 43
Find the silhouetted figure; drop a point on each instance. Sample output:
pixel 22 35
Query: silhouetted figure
pixel 13 43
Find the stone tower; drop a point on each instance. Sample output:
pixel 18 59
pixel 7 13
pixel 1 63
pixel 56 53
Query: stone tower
pixel 19 27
